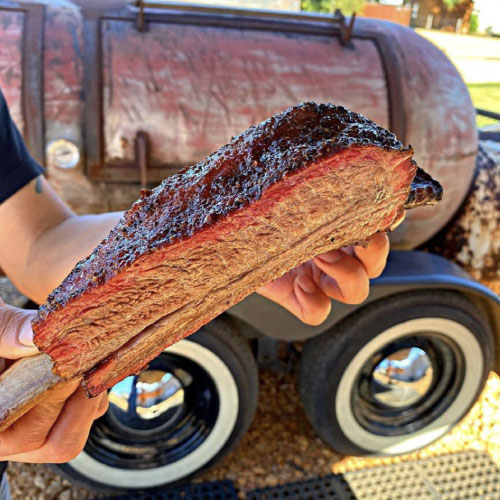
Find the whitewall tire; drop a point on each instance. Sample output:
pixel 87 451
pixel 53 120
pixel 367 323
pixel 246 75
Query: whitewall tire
pixel 188 409
pixel 397 374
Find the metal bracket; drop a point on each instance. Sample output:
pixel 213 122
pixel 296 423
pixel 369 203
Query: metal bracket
pixel 345 31
pixel 142 148
pixel 141 21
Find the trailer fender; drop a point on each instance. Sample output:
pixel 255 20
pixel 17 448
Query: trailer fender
pixel 405 271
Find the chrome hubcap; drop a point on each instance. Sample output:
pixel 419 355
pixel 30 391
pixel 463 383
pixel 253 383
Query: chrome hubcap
pixel 160 416
pixel 408 383
pixel 402 378
pixel 145 397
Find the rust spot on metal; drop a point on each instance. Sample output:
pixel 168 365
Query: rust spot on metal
pixel 472 237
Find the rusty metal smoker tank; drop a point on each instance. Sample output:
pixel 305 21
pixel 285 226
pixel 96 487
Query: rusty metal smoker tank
pixel 110 95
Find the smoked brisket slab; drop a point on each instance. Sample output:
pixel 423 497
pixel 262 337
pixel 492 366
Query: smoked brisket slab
pixel 311 179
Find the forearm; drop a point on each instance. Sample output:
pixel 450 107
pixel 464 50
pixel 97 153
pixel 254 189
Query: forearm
pixel 41 239
pixel 55 253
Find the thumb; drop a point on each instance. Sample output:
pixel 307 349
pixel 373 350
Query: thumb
pixel 16 335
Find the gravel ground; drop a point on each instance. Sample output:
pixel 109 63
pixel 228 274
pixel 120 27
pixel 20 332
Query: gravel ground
pixel 9 294
pixel 281 445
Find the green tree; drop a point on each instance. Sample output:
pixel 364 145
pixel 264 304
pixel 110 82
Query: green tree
pixel 451 3
pixel 316 5
pixel 349 6
pixel 473 23
pixel 346 6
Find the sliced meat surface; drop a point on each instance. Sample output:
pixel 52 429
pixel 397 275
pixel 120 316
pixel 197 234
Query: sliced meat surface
pixel 311 179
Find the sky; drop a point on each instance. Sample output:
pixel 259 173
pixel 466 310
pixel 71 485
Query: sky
pixel 489 14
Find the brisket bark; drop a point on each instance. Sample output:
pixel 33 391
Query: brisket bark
pixel 311 179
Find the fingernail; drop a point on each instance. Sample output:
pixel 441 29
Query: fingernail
pixel 306 283
pixel 330 257
pixel 26 334
pixel 398 221
pixel 347 250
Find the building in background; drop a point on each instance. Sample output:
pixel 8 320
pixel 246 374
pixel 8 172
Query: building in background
pixel 462 16
pixel 446 15
pixel 390 10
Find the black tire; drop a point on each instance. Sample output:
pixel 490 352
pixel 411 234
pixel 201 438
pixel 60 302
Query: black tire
pixel 223 397
pixel 338 367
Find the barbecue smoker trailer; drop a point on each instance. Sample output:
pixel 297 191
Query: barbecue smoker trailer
pixel 112 96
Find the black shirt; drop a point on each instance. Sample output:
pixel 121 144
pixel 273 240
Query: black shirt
pixel 17 167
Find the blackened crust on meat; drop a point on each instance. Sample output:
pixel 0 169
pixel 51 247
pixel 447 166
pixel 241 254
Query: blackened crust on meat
pixel 229 179
pixel 424 190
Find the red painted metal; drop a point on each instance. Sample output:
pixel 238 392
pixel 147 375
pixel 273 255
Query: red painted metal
pixel 21 27
pixel 192 88
pixel 11 76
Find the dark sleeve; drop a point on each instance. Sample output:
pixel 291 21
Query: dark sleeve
pixel 17 167
pixel 3 468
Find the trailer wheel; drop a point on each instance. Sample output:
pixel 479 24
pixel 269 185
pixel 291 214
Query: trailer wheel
pixel 185 412
pixel 398 374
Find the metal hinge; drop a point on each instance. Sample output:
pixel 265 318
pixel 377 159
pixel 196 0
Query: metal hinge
pixel 337 19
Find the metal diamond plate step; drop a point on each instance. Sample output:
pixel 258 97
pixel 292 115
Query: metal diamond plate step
pixel 219 490
pixel 467 475
pixel 331 487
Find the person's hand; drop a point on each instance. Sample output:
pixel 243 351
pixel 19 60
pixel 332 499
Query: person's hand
pixel 56 429
pixel 342 275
